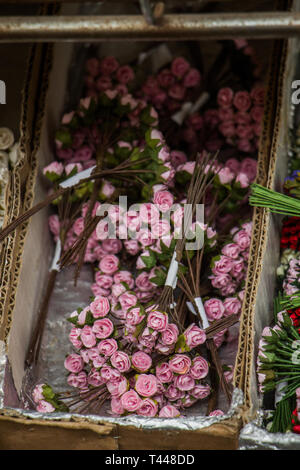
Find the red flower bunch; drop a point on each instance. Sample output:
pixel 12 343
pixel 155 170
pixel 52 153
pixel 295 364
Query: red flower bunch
pixel 290 234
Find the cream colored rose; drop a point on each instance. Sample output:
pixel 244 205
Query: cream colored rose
pixel 6 138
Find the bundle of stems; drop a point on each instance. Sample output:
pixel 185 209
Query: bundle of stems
pixel 276 202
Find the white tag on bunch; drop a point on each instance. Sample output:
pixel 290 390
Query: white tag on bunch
pixel 55 265
pixel 159 56
pixel 73 180
pixel 201 310
pixel 189 108
pixel 171 280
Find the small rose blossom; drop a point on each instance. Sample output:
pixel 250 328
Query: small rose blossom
pixel 164 373
pixel 141 361
pixel 194 336
pixel 157 320
pixel 199 369
pixel 200 391
pixel 103 328
pixel 74 363
pixel 45 407
pixel 131 401
pixel 180 364
pixel 179 67
pixel 214 309
pixel 148 408
pixel 107 347
pixel 169 411
pixel 146 385
pixel 100 307
pixel 109 264
pixel 120 360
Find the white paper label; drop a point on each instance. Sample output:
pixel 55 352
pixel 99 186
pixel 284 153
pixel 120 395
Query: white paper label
pixel 201 310
pixel 171 280
pixel 68 183
pixel 55 266
pixel 189 108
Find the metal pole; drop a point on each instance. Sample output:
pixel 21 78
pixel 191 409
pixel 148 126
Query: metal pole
pixel 169 27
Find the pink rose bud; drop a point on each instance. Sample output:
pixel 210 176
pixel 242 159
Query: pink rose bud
pixel 184 382
pixel 148 408
pixel 194 336
pixel 200 391
pixel 120 360
pixel 100 307
pixel 87 337
pixel 216 413
pixel 232 250
pixel 116 406
pixel 74 363
pixel 141 361
pixel 146 385
pixel 214 309
pixel 169 411
pixel 164 373
pixel 118 386
pixel 199 369
pixel 163 200
pixel 225 97
pixel 109 264
pixel 125 74
pixel 157 320
pixel 78 380
pixel 107 347
pixel 131 401
pixel 45 407
pixel 170 334
pixel 37 393
pixel 179 67
pixel 180 364
pixel 54 167
pixel 103 328
pixel 134 316
pixel 127 300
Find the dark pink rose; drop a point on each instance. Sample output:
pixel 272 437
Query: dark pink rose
pixel 242 101
pixel 179 67
pixel 165 78
pixel 112 246
pixel 232 250
pixel 83 154
pixel 64 154
pixel 242 239
pixel 192 78
pixel 249 166
pixel 108 65
pixel 177 92
pixel 93 66
pixel 125 74
pixel 227 128
pixel 178 158
pixel 234 165
pixel 103 83
pixel 222 265
pixel 258 95
pixel 225 97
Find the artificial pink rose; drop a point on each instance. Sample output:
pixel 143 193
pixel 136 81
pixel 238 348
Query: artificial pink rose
pixel 234 165
pixel 160 229
pixel 107 347
pixel 180 364
pixel 258 95
pixel 103 280
pixel 74 337
pixel 163 200
pixel 143 283
pixel 164 373
pixel 232 306
pixel 244 131
pixel 109 264
pixel 125 74
pixel 78 380
pixel 102 231
pixel 231 250
pixel 221 280
pixel 83 154
pixel 145 237
pixel 222 265
pixel 112 246
pixel 103 83
pixel 170 334
pixel 107 189
pixel 200 391
pixel 192 78
pixel 169 411
pixel 99 291
pixel 70 167
pixel 249 167
pixel 179 67
pixel 173 393
pixel 229 289
pixel 216 413
pixel 242 101
pixel 120 360
pixel 244 145
pixel 87 337
pixel 199 368
pixel 243 180
pixel 74 363
pixel 45 407
pixel 131 401
pixel 108 65
pixel 124 276
pixel 37 393
pixel 149 213
pixel 54 167
pixel 243 119
pixel 225 97
pixel 165 78
pixel 146 385
pixel 84 353
pixel 227 129
pixel 103 328
pixel 188 167
pixel 214 309
pixel 54 224
pixel 94 378
pixel 127 300
pixel 177 158
pixel 116 406
pixel 109 374
pixel 257 113
pixel 238 267
pixel 225 175
pixel 242 239
pixel 157 320
pixel 164 154
pixel 148 408
pixel 194 336
pixel 134 316
pixel 226 114
pixel 184 382
pixel 141 361
pixel 118 386
pixel 100 307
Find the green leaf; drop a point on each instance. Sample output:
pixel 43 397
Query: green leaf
pixel 181 345
pixel 48 392
pixel 64 136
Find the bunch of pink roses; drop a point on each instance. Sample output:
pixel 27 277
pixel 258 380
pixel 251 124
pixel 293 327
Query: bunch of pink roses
pixel 230 268
pixel 291 283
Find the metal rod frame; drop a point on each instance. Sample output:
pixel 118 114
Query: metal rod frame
pixel 173 27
